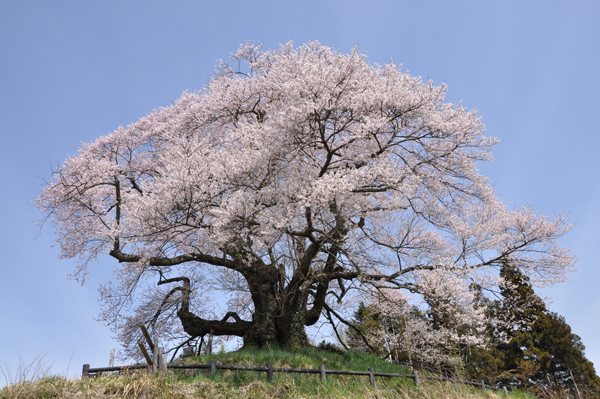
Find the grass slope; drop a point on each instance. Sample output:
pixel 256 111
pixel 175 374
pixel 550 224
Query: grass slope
pixel 244 384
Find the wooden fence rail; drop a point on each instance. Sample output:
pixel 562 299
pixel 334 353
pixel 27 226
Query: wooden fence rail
pixel 269 369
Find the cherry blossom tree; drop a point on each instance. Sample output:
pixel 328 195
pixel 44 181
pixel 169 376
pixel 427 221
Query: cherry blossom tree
pixel 419 331
pixel 295 177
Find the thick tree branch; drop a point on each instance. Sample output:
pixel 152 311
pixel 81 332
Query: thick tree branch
pixel 185 290
pixel 337 234
pixel 312 316
pixel 197 326
pixel 176 260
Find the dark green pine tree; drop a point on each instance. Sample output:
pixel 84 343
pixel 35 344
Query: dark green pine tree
pixel 559 354
pixel 539 350
pixel 519 310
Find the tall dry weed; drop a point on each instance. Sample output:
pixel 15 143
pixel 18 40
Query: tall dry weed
pixel 37 369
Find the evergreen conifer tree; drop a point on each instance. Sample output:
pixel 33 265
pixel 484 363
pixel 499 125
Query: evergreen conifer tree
pixel 539 351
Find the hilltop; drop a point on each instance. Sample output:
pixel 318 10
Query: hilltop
pixel 244 384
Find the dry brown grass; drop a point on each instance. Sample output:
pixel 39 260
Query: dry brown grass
pixel 143 386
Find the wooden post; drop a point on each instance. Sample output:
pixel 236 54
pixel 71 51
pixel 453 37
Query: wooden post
pixel 155 355
pixel 505 390
pixel 209 348
pixel 162 364
pixel 416 377
pixel 322 371
pixel 145 352
pixel 85 373
pixel 482 385
pixel 270 372
pixel 372 377
pixel 111 361
pixel 213 368
pixel 147 336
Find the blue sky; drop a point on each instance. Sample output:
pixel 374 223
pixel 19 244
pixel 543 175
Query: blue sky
pixel 73 71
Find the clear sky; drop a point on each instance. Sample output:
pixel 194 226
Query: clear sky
pixel 72 71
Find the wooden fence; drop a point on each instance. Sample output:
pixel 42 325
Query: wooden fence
pixel 270 370
pixel 157 363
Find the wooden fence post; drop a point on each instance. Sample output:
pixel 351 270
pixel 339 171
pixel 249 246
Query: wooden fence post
pixel 162 364
pixel 372 377
pixel 145 352
pixel 85 373
pixel 322 372
pixel 482 385
pixel 111 360
pixel 505 390
pixel 146 335
pixel 155 355
pixel 270 372
pixel 416 374
pixel 213 368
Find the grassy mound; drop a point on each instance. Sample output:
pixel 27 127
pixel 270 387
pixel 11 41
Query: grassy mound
pixel 305 359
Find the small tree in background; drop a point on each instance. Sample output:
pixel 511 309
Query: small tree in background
pixel 358 335
pixel 431 333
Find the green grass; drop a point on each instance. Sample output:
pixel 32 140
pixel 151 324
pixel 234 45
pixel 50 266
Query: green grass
pixel 245 384
pixel 310 385
pixel 305 359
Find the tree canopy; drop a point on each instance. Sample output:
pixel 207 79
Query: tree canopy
pixel 295 179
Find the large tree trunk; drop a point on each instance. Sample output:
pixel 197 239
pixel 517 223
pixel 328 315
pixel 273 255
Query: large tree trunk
pixel 276 320
pixel 290 328
pixel 263 288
